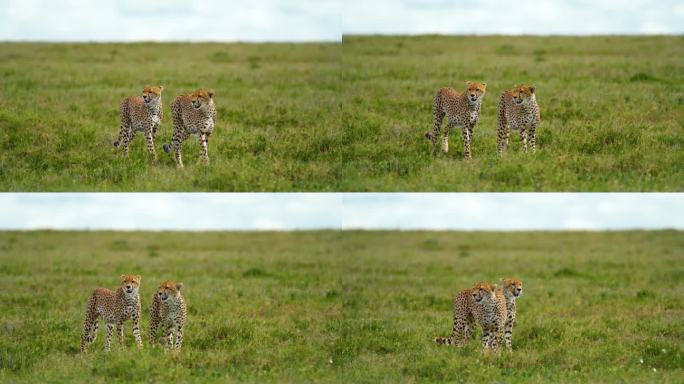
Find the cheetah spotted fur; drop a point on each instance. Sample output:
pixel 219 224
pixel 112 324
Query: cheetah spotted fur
pixel 192 114
pixel 510 290
pixel 518 109
pixel 140 114
pixel 460 109
pixel 168 312
pixel 477 305
pixel 114 307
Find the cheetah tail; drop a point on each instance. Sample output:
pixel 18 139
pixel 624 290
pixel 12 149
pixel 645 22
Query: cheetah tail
pixel 444 340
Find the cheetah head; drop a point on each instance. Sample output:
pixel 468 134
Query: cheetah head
pixel 169 289
pixel 511 287
pixel 475 91
pixel 130 284
pixel 522 94
pixel 483 290
pixel 152 93
pixel 201 98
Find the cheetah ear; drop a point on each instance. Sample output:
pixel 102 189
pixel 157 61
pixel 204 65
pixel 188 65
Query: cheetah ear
pixel 532 88
pixel 469 82
pixel 211 94
pixel 122 278
pixel 494 286
pixel 138 277
pixel 179 286
pixel 484 85
pixel 161 88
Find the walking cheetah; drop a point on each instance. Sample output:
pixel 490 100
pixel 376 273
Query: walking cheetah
pixel 510 290
pixel 168 311
pixel 518 109
pixel 143 114
pixel 480 305
pixel 114 307
pixel 460 109
pixel 193 113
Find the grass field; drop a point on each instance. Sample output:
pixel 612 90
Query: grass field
pixel 278 110
pixel 349 306
pixel 612 113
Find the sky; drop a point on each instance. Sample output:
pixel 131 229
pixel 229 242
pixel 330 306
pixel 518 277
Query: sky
pixel 514 17
pixel 170 20
pixel 302 211
pixel 326 20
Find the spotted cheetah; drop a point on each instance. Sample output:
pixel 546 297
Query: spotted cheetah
pixel 141 114
pixel 518 109
pixel 480 305
pixel 114 307
pixel 168 310
pixel 460 109
pixel 509 290
pixel 193 113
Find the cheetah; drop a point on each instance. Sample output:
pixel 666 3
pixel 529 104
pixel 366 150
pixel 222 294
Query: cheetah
pixel 193 113
pixel 168 310
pixel 141 114
pixel 480 305
pixel 114 307
pixel 509 290
pixel 518 109
pixel 460 109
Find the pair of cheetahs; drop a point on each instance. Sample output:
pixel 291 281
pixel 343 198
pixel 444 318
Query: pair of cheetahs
pixel 167 312
pixel 518 110
pixel 191 114
pixel 490 307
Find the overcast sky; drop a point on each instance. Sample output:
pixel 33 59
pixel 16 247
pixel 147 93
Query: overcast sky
pixel 288 211
pixel 170 20
pixel 326 20
pixel 568 17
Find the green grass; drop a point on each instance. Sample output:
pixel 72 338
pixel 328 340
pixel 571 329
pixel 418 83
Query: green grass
pixel 349 306
pixel 277 104
pixel 612 113
pixel 348 117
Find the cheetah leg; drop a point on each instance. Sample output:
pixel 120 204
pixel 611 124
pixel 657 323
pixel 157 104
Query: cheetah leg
pixel 177 144
pixel 179 337
pixel 445 138
pixel 485 338
pixel 508 331
pixel 204 152
pixel 119 333
pixel 532 138
pixel 149 138
pixel 467 332
pixel 153 330
pixel 93 335
pixel 169 338
pixel 108 336
pixel 523 139
pixel 438 117
pixel 86 335
pixel 502 136
pixel 466 142
pixel 136 330
pixel 127 141
pixel 122 134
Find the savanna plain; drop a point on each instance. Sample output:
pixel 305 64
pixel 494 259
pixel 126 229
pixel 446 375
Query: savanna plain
pixel 350 306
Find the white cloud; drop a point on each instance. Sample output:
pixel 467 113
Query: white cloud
pixel 170 20
pixel 269 211
pixel 571 17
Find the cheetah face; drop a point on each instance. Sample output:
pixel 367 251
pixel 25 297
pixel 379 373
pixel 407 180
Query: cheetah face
pixel 475 91
pixel 201 98
pixel 522 94
pixel 130 284
pixel 169 289
pixel 512 287
pixel 481 291
pixel 152 93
